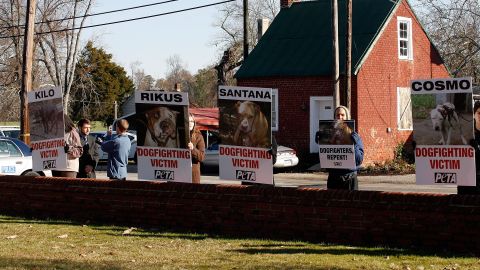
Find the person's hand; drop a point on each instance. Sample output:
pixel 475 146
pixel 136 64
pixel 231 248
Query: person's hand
pixel 190 145
pixel 88 168
pixel 98 140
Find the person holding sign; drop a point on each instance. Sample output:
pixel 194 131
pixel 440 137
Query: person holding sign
pixel 197 148
pixel 90 156
pixel 475 143
pixel 117 148
pixel 73 149
pixel 346 178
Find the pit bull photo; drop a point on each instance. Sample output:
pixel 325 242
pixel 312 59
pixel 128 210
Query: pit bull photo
pixel 445 120
pixel 252 129
pixel 161 128
pixel 342 134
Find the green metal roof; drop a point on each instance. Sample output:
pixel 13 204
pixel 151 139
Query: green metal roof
pixel 299 40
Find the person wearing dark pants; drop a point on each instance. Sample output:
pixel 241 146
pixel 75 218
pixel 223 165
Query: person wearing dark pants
pixel 89 159
pixel 475 143
pixel 345 178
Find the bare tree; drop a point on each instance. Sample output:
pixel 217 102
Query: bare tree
pixel 454 26
pixel 59 46
pixel 230 37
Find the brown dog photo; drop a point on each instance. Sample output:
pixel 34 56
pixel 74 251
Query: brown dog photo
pixel 245 123
pixel 46 119
pixel 161 126
pixel 337 132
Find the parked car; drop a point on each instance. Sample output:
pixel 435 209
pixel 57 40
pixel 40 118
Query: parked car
pixel 132 155
pixel 16 158
pixel 286 157
pixel 10 131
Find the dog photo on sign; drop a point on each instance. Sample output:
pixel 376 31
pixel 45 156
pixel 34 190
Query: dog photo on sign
pixel 335 132
pixel 162 126
pixel 442 119
pixel 245 123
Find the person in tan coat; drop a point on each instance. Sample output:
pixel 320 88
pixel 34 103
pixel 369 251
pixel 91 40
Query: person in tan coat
pixel 197 148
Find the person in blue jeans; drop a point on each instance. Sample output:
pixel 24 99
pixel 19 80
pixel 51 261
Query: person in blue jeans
pixel 117 147
pixel 345 178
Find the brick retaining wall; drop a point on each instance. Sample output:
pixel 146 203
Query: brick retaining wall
pixel 432 221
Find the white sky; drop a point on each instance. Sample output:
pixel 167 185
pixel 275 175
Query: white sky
pixel 151 41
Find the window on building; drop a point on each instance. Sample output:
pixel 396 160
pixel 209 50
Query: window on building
pixel 404 28
pixel 404 109
pixel 274 109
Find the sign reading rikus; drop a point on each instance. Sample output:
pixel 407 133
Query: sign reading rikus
pixel 245 134
pixel 161 121
pixel 47 130
pixel 442 129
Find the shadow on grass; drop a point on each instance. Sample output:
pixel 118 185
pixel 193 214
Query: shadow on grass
pixel 28 263
pixel 332 250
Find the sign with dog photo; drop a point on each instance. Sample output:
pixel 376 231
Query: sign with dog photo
pixel 47 131
pixel 245 134
pixel 442 129
pixel 336 149
pixel 161 121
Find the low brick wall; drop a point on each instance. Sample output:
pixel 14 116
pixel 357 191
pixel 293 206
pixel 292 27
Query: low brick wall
pixel 432 221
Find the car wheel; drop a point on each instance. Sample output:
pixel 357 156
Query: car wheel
pixel 31 173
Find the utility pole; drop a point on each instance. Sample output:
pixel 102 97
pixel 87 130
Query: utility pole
pixel 335 69
pixel 115 112
pixel 245 29
pixel 348 57
pixel 27 70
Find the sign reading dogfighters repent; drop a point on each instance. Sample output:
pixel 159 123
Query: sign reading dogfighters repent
pixel 47 130
pixel 336 149
pixel 161 122
pixel 443 127
pixel 245 134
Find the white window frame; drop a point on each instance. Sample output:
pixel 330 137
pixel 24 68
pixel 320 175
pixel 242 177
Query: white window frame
pixel 400 110
pixel 275 121
pixel 408 39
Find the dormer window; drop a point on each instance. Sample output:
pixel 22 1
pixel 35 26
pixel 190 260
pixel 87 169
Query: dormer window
pixel 404 28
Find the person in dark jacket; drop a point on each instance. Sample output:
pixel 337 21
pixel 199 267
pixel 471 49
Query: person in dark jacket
pixel 197 148
pixel 89 159
pixel 345 178
pixel 475 143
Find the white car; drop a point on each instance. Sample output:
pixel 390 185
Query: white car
pixel 286 157
pixel 16 158
pixel 133 139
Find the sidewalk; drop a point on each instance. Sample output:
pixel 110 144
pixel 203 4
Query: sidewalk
pixel 386 183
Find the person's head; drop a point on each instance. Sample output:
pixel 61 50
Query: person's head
pixel 191 122
pixel 476 114
pixel 69 125
pixel 341 113
pixel 122 126
pixel 84 126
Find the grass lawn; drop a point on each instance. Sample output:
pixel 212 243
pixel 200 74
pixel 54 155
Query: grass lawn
pixel 37 244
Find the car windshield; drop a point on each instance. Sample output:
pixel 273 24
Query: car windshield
pixel 12 133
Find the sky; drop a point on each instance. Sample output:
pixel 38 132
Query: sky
pixel 152 41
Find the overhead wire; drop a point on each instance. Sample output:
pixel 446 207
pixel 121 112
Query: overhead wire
pixel 94 14
pixel 123 21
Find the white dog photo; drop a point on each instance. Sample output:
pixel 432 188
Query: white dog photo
pixel 445 120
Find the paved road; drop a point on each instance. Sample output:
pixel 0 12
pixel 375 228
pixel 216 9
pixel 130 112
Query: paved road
pixel 388 183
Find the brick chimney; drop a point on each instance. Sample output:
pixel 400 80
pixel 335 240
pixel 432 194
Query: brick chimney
pixel 286 3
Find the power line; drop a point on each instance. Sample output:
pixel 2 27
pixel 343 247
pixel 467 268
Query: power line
pixel 95 14
pixel 127 20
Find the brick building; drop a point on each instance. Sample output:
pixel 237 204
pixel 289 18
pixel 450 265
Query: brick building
pixel 389 48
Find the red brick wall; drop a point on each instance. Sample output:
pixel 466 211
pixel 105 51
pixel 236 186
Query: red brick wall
pixel 429 221
pixel 378 80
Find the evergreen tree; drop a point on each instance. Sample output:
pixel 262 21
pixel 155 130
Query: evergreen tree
pixel 99 82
